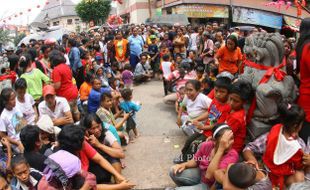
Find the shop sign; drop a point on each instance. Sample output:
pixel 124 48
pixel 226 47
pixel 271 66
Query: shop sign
pixel 201 11
pixel 256 17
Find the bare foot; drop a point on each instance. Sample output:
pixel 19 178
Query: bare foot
pixel 123 164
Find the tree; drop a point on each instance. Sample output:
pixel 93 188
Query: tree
pixel 96 10
pixel 18 38
pixel 5 36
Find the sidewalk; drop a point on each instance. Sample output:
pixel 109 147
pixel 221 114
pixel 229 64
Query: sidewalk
pixel 149 158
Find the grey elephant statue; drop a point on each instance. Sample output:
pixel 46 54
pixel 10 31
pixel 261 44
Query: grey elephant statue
pixel 264 69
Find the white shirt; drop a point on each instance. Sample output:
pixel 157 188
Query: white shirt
pixel 61 108
pixel 193 42
pixel 27 108
pixel 109 139
pixel 166 67
pixel 198 106
pixel 101 46
pixel 11 122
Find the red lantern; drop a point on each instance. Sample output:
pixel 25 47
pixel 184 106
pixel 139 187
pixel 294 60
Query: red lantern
pixel 300 4
pixel 46 3
pixel 38 6
pixel 29 10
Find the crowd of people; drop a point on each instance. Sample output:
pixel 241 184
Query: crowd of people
pixel 69 110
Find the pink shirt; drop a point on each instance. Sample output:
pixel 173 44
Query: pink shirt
pixel 181 81
pixel 202 157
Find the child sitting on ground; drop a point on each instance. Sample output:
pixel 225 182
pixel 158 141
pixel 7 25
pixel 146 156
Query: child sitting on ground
pixel 24 176
pixel 282 148
pixel 11 119
pixel 200 71
pixel 207 85
pixel 127 76
pixel 180 97
pixel 240 93
pixel 105 114
pixel 25 103
pixel 128 106
pixel 99 72
pixel 167 67
pixel 218 110
pixel 242 176
pixel 86 87
pixel 94 95
pixel 115 84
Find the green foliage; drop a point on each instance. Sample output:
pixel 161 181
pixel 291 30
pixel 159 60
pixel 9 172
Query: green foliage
pixel 96 10
pixel 5 36
pixel 18 38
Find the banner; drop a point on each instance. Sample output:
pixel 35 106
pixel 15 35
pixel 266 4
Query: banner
pixel 201 11
pixel 256 17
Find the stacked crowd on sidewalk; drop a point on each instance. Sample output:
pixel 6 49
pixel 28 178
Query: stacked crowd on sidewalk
pixel 67 109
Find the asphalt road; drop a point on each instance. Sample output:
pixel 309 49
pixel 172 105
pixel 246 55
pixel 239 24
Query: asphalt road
pixel 149 158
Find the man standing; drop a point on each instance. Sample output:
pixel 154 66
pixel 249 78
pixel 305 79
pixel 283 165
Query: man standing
pixel 135 46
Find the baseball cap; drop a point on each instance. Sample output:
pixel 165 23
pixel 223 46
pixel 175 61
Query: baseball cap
pixel 48 90
pixel 46 124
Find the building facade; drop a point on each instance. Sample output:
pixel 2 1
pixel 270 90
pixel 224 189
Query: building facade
pixel 136 11
pixel 234 12
pixel 61 13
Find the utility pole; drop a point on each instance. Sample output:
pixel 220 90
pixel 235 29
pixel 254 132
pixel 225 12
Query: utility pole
pixel 150 9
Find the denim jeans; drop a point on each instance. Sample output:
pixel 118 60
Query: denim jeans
pixel 200 186
pixel 134 60
pixel 189 179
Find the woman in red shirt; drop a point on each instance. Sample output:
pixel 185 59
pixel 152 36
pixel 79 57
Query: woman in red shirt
pixel 303 65
pixel 62 79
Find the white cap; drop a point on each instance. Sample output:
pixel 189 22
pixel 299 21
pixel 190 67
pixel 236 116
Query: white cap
pixel 46 124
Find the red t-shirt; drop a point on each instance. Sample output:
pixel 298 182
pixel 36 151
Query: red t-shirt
pixel 211 94
pixel 304 89
pixel 237 123
pixel 218 113
pixel 62 73
pixel 87 153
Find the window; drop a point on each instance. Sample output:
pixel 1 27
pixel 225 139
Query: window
pixel 56 23
pixel 69 21
pixel 77 21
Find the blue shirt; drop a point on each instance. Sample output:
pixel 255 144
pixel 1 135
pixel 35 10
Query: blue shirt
pixel 136 45
pixel 74 58
pixel 129 106
pixel 94 99
pixel 113 130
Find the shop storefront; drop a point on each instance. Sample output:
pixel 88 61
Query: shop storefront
pixel 257 17
pixel 202 13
